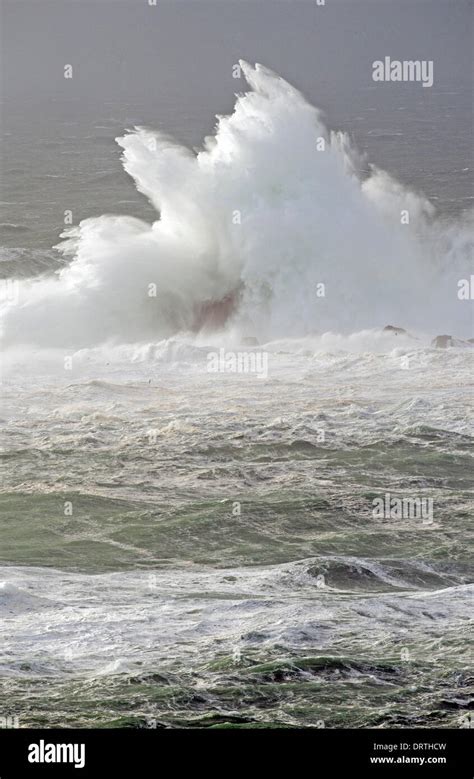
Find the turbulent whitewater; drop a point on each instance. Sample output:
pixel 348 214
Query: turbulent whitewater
pixel 181 547
pixel 246 230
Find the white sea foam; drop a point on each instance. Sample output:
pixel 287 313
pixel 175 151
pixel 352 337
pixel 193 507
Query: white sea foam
pixel 307 217
pixel 100 622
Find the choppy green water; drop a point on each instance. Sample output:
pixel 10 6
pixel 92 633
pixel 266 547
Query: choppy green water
pixel 164 607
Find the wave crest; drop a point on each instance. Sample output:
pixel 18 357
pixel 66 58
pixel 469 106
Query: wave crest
pixel 262 232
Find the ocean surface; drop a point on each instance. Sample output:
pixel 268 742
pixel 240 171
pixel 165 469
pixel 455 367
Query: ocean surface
pixel 181 547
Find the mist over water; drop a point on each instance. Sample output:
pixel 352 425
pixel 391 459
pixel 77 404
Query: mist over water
pixel 248 229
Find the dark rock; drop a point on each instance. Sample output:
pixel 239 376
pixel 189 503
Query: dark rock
pixel 398 331
pixel 394 330
pixel 447 341
pixel 442 341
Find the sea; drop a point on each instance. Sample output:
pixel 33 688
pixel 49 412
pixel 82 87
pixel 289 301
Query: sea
pixel 195 542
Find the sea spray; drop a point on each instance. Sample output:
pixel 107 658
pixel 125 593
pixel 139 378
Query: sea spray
pixel 247 231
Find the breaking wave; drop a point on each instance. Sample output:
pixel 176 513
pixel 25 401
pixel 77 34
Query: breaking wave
pixel 263 231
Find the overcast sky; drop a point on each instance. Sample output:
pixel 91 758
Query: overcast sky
pixel 121 48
